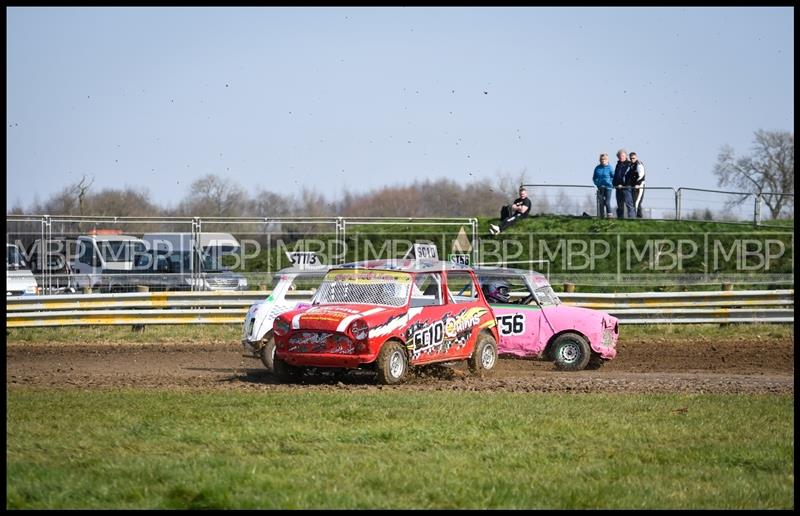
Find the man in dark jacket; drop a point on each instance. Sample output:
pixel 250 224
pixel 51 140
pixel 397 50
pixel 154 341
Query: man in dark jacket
pixel 635 180
pixel 512 213
pixel 620 171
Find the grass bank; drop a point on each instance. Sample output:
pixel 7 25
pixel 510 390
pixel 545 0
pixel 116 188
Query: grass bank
pixel 129 449
pixel 598 255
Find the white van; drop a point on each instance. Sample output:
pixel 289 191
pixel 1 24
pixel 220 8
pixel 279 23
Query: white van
pixel 19 278
pixel 105 260
pixel 171 255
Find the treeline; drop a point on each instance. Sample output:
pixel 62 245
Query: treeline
pixel 215 196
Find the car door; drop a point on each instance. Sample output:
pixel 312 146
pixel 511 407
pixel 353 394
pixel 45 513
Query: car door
pixel 520 320
pixel 427 313
pixel 87 265
pixel 467 313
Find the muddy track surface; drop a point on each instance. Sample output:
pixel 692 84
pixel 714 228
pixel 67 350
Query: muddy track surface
pixel 653 366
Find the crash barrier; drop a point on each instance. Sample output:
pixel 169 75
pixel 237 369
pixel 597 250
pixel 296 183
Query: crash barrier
pixel 746 306
pixel 666 202
pixel 774 306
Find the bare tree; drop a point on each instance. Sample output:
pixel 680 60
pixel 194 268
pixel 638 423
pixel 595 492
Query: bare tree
pixel 80 189
pixel 214 196
pixel 126 202
pixel 768 171
pixel 269 204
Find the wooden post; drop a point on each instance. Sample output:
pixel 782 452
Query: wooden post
pixel 569 287
pixel 727 287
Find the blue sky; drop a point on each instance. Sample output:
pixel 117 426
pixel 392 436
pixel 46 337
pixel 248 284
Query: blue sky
pixel 332 98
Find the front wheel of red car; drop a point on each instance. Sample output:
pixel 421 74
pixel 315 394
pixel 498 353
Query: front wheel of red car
pixel 284 372
pixel 484 357
pixel 392 363
pixel 571 352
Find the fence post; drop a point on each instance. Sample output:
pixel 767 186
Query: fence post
pixel 678 204
pixel 757 210
pixel 597 203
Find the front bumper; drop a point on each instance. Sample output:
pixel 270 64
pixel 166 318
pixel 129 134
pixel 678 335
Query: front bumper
pixel 605 343
pixel 324 359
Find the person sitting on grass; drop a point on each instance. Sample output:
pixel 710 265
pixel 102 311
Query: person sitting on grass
pixel 511 213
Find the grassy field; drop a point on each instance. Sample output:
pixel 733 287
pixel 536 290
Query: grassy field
pixel 209 333
pixel 384 449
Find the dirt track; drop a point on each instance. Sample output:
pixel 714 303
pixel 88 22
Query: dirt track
pixel 658 365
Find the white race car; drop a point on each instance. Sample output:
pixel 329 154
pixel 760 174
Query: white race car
pixel 257 329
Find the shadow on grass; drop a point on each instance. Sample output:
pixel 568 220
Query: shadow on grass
pixel 334 376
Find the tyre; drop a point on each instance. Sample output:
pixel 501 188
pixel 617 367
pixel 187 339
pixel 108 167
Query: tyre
pixel 571 352
pixel 284 372
pixel 595 362
pixel 484 357
pixel 392 363
pixel 267 352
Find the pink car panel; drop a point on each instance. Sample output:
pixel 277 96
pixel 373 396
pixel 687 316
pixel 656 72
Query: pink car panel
pixel 525 330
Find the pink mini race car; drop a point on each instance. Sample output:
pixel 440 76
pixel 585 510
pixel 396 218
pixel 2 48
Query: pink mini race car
pixel 533 322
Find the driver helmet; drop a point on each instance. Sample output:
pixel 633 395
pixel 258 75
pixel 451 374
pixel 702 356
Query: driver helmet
pixel 496 290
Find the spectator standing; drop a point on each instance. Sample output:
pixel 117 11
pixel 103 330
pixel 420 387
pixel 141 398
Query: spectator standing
pixel 603 179
pixel 635 182
pixel 620 172
pixel 512 213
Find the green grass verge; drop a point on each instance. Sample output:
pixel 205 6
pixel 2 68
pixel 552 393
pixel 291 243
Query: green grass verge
pixel 373 449
pixel 211 333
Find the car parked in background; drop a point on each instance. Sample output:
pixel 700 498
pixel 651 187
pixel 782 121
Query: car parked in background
pixel 388 315
pixel 179 261
pixel 533 322
pixel 104 260
pixel 50 262
pixel 19 278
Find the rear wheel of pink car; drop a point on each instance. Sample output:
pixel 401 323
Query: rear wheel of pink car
pixel 392 363
pixel 484 357
pixel 571 352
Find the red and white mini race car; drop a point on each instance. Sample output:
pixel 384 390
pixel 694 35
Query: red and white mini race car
pixel 389 315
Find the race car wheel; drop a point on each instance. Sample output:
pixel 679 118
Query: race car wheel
pixel 571 352
pixel 484 357
pixel 392 363
pixel 268 352
pixel 284 372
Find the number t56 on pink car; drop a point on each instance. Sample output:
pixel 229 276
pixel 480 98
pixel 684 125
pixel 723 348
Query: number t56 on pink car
pixel 533 322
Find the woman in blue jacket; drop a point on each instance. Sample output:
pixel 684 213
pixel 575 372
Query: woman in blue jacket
pixel 603 177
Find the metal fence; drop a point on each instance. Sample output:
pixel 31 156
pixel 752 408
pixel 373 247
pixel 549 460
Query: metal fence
pixel 66 253
pixel 230 307
pixel 667 203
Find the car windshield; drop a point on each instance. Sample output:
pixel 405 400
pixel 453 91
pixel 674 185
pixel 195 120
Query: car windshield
pixel 120 250
pixel 299 280
pixel 364 286
pixel 546 296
